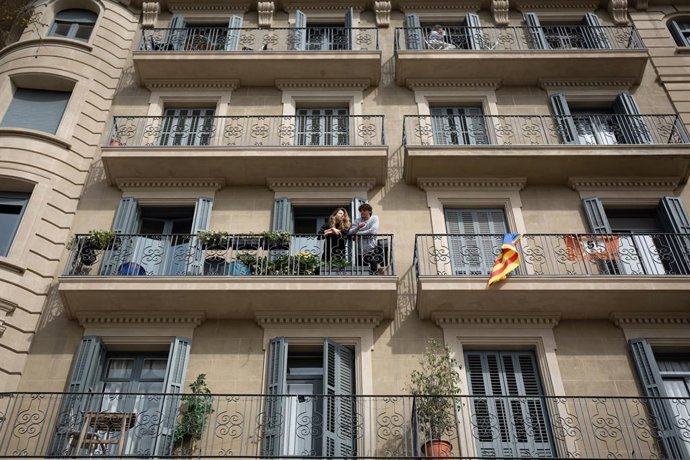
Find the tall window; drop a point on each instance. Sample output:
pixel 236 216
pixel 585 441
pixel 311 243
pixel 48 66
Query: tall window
pixel 458 126
pixel 36 109
pixel 74 23
pixel 321 36
pixel 681 31
pixel 187 127
pixel 474 240
pixel 12 206
pixel 323 126
pixel 588 34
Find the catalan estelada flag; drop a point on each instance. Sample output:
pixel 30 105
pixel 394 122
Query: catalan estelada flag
pixel 508 260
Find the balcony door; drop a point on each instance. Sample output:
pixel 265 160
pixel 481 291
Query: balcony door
pixel 323 126
pixel 186 127
pixel 311 36
pixel 475 237
pixel 458 126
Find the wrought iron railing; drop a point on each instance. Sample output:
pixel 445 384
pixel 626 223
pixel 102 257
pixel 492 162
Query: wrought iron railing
pixel 340 426
pixel 585 129
pixel 547 38
pixel 616 254
pixel 260 39
pixel 247 131
pixel 234 255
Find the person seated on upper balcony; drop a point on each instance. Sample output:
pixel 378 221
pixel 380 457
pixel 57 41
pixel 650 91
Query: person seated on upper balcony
pixel 437 39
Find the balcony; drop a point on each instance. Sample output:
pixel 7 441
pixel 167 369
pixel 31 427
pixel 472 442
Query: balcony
pixel 520 55
pixel 258 56
pixel 236 276
pixel 41 425
pixel 545 149
pixel 573 275
pixel 246 150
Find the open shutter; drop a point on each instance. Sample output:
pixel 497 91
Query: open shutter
pixel 564 119
pixel 201 221
pixel 538 39
pixel 126 222
pixel 339 421
pixel 299 42
pixel 674 219
pixel 673 216
pixel 349 21
pixel 653 385
pixel 176 35
pixel 354 207
pixel 234 30
pixel 596 215
pixel 202 214
pixel 413 32
pixel 127 216
pixel 276 388
pixel 282 215
pixel 595 34
pixel 473 29
pixel 633 129
pixel 178 356
pixel 36 109
pixel 677 33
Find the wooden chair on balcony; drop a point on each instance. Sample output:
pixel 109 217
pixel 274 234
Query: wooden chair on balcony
pixel 100 430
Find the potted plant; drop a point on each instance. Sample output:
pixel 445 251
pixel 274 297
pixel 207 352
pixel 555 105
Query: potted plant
pixel 339 265
pixel 301 263
pixel 194 410
pixel 433 385
pixel 214 239
pixel 276 240
pixel 96 240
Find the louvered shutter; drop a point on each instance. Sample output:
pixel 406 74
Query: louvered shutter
pixel 513 423
pixel 299 38
pixel 413 32
pixel 202 214
pixel 653 385
pixel 195 252
pixel 673 216
pixel 595 34
pixel 125 224
pixel 564 119
pixel 473 29
pixel 477 239
pixel 632 128
pixel 276 388
pixel 127 216
pixel 677 33
pixel 596 215
pixel 674 219
pixel 36 109
pixel 349 21
pixel 232 42
pixel 538 39
pixel 282 216
pixel 339 421
pixel 178 356
pixel 176 35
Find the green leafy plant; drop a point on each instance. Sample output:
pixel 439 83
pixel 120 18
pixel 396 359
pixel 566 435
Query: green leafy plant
pixel 214 238
pixel 276 238
pixel 339 263
pixel 433 385
pixel 194 410
pixel 15 16
pixel 98 239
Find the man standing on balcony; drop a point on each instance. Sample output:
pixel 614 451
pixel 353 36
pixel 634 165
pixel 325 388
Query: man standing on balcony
pixel 367 227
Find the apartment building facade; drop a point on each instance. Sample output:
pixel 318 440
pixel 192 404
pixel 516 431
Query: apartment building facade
pixel 205 143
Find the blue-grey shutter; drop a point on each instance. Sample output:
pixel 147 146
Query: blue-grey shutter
pixel 349 21
pixel 677 34
pixel 176 35
pixel 276 388
pixel 596 215
pixel 37 109
pixel 354 207
pixel 564 119
pixel 633 129
pixel 476 236
pixel 538 39
pixel 673 216
pixel 674 219
pixel 202 214
pixel 413 32
pixel 201 221
pixel 653 386
pixel 282 215
pixel 234 30
pixel 300 32
pixel 339 408
pixel 473 29
pixel 127 216
pixel 178 356
pixel 595 34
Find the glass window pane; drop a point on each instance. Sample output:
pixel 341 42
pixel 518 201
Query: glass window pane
pixel 61 29
pixel 119 368
pixel 154 369
pixel 9 220
pixel 150 387
pixel 84 31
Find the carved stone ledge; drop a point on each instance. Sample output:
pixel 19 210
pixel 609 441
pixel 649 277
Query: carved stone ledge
pixel 206 5
pixel 500 8
pixel 7 306
pixel 149 14
pixel 265 10
pixel 315 5
pixel 455 183
pixel 618 9
pixel 521 320
pixel 361 83
pixel 650 320
pixel 268 319
pixel 383 13
pixel 417 5
pixel 213 183
pixel 578 83
pixel 526 5
pixel 100 318
pixel 424 83
pixel 301 183
pixel 586 183
pixel 194 84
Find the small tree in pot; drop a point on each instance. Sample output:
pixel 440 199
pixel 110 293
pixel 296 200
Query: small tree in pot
pixel 433 386
pixel 194 410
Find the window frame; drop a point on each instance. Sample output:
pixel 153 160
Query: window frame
pixel 74 25
pixel 682 28
pixel 7 198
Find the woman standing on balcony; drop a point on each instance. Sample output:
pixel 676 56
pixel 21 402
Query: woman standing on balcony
pixel 334 232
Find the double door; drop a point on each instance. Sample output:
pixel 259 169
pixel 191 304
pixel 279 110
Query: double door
pixel 474 240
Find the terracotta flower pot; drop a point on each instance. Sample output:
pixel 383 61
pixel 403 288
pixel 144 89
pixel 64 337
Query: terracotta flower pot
pixel 437 448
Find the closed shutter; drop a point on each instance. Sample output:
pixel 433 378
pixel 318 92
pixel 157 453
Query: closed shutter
pixel 676 248
pixel 458 126
pixel 339 421
pixel 595 34
pixel 176 35
pixel 299 38
pixel 349 21
pixel 473 29
pixel 564 119
pixel 201 221
pixel 283 220
pixel 536 33
pixel 186 127
pixel 276 388
pixel 653 385
pixel 677 33
pixel 473 254
pixel 514 422
pixel 631 127
pixel 354 207
pixel 596 215
pixel 178 356
pixel 234 30
pixel 413 32
pixel 36 109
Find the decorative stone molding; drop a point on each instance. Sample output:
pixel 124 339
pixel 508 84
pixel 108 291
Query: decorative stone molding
pixel 526 5
pixel 650 320
pixel 7 306
pixel 416 5
pixel 424 83
pixel 359 84
pixel 149 14
pixel 300 183
pixel 100 318
pixel 193 84
pixel 618 9
pixel 523 320
pixel 577 83
pixel 205 5
pixel 383 13
pixel 2 328
pixel 641 5
pixel 503 183
pixel 216 184
pixel 500 8
pixel 268 319
pixel 316 5
pixel 265 10
pixel 580 184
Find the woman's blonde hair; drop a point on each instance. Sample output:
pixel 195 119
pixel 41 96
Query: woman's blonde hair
pixel 345 224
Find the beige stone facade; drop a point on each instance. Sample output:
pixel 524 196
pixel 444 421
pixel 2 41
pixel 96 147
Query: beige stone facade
pixel 574 311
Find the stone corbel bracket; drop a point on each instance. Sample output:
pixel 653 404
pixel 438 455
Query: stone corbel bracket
pixel 7 306
pixel 149 14
pixel 266 10
pixel 618 9
pixel 499 8
pixel 383 13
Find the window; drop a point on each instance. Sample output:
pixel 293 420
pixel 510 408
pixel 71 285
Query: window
pixel 681 31
pixel 467 35
pixel 74 23
pixel 12 206
pixel 458 126
pixel 301 424
pixel 588 34
pixel 474 239
pixel 323 126
pixel 322 36
pixel 184 34
pixel 187 127
pixel 36 109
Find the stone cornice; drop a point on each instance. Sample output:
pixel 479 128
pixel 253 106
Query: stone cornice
pixel 268 319
pixel 194 84
pixel 424 83
pixel 656 319
pixel 324 182
pixel 597 183
pixel 292 5
pixel 205 5
pixel 360 84
pixel 578 83
pixel 503 183
pixel 523 5
pixel 523 320
pixel 214 183
pixel 100 318
pixel 417 5
pixel 7 306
